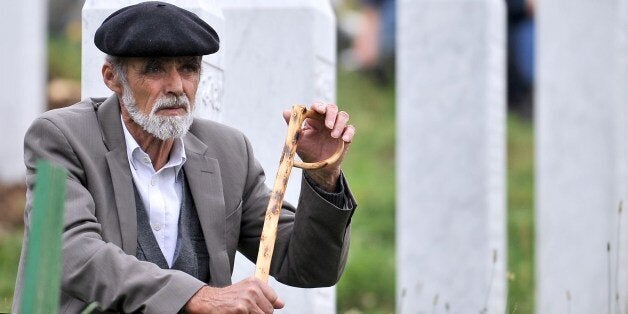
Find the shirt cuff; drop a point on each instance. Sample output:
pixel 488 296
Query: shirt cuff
pixel 337 197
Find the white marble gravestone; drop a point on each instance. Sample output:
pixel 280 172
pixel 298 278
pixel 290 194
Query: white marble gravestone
pixel 581 156
pixel 209 97
pixel 23 80
pixel 451 218
pixel 278 53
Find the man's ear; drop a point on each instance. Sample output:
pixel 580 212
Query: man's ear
pixel 111 79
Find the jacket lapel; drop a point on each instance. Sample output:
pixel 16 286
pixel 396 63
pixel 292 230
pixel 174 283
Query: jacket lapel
pixel 203 174
pixel 204 180
pixel 119 171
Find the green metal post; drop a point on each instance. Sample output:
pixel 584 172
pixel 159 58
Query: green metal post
pixel 42 273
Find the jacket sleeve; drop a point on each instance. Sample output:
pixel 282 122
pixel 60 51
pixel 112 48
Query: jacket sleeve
pixel 313 239
pixel 94 270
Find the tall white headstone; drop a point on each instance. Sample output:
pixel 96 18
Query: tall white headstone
pixel 581 157
pixel 619 251
pixel 210 90
pixel 23 80
pixel 278 53
pixel 451 219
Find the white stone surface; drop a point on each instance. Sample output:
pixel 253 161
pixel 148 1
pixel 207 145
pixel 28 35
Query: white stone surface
pixel 209 97
pixel 618 251
pixel 581 156
pixel 278 53
pixel 23 80
pixel 451 220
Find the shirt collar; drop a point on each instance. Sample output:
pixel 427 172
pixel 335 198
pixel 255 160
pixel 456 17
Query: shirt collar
pixel 136 155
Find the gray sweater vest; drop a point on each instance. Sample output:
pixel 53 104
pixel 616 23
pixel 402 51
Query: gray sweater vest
pixel 191 252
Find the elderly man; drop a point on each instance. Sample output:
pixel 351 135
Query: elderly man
pixel 158 202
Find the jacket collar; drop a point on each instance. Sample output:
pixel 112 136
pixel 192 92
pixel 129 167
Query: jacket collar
pixel 204 180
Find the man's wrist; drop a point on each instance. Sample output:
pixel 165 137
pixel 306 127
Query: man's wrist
pixel 194 304
pixel 327 182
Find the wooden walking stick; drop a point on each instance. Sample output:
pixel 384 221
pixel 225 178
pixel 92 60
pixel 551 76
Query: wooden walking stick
pixel 269 232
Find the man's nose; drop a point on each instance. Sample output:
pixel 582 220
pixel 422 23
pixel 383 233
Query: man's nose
pixel 174 82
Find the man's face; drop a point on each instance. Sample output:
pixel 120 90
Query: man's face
pixel 159 93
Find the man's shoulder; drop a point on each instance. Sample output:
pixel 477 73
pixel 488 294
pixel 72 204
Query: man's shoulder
pixel 82 110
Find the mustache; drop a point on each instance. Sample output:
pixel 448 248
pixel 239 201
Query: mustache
pixel 172 102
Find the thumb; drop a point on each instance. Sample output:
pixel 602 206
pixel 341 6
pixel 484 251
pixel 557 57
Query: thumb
pixel 278 304
pixel 286 115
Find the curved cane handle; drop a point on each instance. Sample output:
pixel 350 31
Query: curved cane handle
pixel 271 220
pixel 320 164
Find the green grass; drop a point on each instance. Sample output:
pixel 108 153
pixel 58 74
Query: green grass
pixel 10 246
pixel 368 284
pixel 520 216
pixel 64 58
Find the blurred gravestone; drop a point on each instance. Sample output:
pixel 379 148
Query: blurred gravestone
pixel 22 86
pixel 209 97
pixel 42 271
pixel 451 220
pixel 581 156
pixel 278 53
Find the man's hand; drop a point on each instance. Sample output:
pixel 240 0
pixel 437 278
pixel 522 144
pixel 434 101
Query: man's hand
pixel 248 296
pixel 530 7
pixel 319 140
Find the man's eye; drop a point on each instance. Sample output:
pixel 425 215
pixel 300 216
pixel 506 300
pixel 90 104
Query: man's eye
pixel 191 67
pixel 153 67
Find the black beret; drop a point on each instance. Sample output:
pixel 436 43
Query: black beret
pixel 155 29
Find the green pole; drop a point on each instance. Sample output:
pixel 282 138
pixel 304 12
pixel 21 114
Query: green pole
pixel 42 272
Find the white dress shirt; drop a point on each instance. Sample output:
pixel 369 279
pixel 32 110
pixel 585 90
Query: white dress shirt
pixel 161 191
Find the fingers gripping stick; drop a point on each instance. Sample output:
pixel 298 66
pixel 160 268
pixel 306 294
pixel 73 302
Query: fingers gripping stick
pixel 269 232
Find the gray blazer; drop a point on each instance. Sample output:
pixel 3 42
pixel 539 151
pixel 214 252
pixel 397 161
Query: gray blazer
pixel 227 185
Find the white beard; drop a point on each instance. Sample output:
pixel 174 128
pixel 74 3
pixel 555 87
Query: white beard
pixel 162 127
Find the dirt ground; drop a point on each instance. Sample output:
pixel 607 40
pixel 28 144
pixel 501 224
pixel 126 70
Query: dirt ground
pixel 12 199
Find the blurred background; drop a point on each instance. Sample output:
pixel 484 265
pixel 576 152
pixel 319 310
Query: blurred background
pixel 366 80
